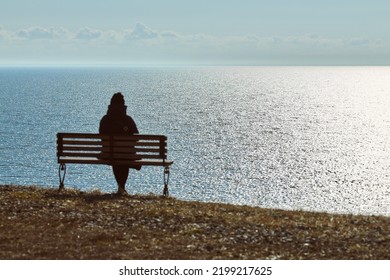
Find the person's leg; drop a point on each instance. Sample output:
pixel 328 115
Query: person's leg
pixel 121 173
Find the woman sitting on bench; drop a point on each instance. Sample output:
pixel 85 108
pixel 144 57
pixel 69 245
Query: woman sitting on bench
pixel 117 122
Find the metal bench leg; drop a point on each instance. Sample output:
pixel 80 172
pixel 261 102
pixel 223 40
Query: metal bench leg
pixel 62 169
pixel 166 181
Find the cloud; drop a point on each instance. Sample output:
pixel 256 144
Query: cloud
pixel 3 33
pixel 36 33
pixel 143 43
pixel 142 32
pixel 88 34
pixel 169 35
pixel 112 36
pixel 358 42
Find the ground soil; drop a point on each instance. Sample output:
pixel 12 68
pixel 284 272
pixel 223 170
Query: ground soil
pixel 42 223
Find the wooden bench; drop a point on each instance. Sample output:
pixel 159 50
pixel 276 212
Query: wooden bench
pixel 130 150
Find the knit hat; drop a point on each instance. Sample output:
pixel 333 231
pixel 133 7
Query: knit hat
pixel 117 99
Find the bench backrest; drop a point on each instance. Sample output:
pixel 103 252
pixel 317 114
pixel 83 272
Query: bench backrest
pixel 112 150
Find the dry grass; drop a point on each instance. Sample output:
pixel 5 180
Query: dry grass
pixel 37 223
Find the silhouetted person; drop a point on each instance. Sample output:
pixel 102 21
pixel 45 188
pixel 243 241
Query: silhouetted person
pixel 117 122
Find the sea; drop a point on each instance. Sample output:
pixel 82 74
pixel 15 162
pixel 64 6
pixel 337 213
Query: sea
pixel 294 138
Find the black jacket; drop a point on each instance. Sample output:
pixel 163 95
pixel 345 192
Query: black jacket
pixel 117 122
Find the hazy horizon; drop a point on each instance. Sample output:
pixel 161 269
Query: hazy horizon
pixel 173 32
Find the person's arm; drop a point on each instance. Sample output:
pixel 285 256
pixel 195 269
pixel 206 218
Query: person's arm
pixel 132 126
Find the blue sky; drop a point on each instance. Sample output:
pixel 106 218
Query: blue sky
pixel 229 32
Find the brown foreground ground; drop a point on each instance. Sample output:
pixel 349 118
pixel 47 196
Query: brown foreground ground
pixel 37 223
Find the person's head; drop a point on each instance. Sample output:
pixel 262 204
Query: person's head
pixel 117 105
pixel 117 99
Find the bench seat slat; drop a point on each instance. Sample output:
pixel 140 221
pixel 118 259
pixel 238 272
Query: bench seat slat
pixel 74 154
pixel 107 143
pixel 115 162
pixel 66 141
pixel 137 136
pixel 132 144
pixel 82 148
pixel 115 156
pixel 107 137
pixel 82 135
pixel 116 150
pixel 134 150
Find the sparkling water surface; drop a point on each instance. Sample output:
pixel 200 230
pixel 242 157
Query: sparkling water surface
pixel 311 138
